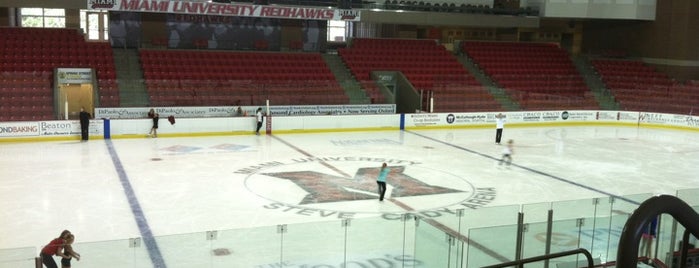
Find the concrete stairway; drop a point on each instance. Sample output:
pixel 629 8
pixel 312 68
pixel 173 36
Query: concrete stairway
pixel 352 87
pixel 132 89
pixel 604 97
pixel 498 93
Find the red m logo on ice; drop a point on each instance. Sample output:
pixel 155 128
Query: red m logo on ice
pixel 323 188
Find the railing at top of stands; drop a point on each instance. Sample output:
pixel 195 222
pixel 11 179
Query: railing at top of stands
pixel 627 254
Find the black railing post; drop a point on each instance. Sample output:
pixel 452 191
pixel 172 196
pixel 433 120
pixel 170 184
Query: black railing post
pixel 549 233
pixel 520 235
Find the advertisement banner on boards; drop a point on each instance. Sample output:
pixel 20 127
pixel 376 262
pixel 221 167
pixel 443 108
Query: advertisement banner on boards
pixel 533 117
pixel 19 129
pixel 228 111
pixel 69 128
pixel 668 119
pixel 48 128
pixel 421 120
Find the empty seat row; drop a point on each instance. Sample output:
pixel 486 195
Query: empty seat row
pixel 28 57
pixel 637 86
pixel 425 63
pixel 209 78
pixel 531 68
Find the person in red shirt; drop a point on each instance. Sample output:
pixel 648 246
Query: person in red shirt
pixel 55 247
pixel 68 251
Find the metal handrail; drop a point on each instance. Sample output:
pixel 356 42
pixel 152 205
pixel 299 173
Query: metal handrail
pixel 519 263
pixel 627 255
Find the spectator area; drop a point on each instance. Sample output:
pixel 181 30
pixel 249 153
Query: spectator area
pixel 639 87
pixel 539 76
pixel 28 57
pixel 427 65
pixel 187 78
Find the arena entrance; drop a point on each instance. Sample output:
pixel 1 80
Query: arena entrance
pixel 74 89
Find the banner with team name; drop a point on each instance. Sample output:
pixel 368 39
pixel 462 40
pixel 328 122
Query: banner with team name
pixel 225 9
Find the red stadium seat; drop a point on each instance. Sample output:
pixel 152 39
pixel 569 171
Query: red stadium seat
pixel 539 68
pixel 230 76
pixel 32 54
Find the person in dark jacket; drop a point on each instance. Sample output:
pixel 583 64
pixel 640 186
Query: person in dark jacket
pixel 154 129
pixel 84 123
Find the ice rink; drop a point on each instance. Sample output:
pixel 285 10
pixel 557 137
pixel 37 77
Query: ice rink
pixel 125 188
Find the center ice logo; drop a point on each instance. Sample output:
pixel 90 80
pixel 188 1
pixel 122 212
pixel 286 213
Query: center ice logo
pixel 348 184
pixel 323 188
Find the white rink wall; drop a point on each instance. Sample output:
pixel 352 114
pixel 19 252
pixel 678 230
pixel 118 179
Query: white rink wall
pixel 131 128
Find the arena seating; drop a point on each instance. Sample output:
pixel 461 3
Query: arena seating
pixel 639 87
pixel 538 76
pixel 25 96
pixel 28 57
pixel 685 98
pixel 184 78
pixel 427 65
